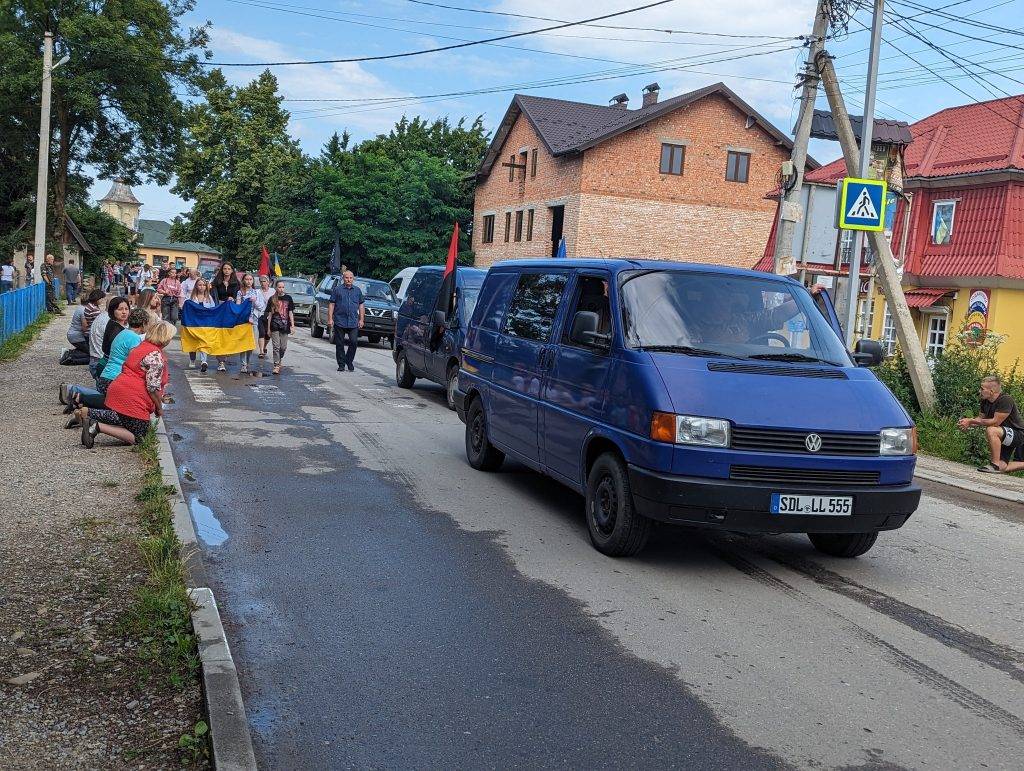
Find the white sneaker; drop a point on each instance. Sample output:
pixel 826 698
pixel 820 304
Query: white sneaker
pixel 191 364
pixel 221 367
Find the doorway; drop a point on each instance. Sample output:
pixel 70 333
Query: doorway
pixel 557 218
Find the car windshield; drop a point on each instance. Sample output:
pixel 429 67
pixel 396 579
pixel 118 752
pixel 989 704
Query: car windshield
pixel 375 290
pixel 294 287
pixel 714 314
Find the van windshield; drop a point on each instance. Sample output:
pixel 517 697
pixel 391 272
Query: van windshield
pixel 470 294
pixel 713 314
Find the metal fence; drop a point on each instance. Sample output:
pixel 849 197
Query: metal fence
pixel 19 308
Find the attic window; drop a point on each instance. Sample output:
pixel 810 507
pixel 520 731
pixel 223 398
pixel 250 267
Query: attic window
pixel 737 167
pixel 942 222
pixel 523 156
pixel 533 162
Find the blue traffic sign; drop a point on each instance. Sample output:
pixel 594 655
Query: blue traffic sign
pixel 861 204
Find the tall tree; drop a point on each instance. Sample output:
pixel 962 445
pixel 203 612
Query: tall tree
pixel 115 105
pixel 236 148
pixel 108 238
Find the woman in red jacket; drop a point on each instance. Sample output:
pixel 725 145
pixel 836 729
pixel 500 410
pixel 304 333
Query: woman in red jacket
pixel 136 394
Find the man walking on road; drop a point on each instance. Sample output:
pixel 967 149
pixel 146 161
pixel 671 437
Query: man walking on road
pixel 1004 428
pixel 72 278
pixel 345 314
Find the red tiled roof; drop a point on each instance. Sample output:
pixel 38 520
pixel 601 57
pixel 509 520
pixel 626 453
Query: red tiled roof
pixel 924 297
pixel 987 136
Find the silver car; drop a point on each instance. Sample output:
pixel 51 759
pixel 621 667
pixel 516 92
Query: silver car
pixel 303 294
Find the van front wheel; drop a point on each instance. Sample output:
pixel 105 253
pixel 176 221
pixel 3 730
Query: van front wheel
pixel 616 528
pixel 843 544
pixel 481 454
pixel 403 375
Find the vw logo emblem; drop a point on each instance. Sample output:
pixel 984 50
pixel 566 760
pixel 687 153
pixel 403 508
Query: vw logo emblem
pixel 812 442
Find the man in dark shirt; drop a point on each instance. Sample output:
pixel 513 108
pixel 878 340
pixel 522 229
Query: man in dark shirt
pixel 1004 428
pixel 345 319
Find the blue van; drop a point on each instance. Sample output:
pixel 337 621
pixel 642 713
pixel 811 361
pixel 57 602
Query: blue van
pixel 427 342
pixel 690 394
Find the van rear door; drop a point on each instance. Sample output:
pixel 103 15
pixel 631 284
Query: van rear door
pixel 416 312
pixel 521 360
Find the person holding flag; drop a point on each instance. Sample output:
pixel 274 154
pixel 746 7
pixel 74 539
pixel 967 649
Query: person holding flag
pixel 264 269
pixel 345 315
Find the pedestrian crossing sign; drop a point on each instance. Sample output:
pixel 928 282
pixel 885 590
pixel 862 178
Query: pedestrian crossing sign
pixel 861 204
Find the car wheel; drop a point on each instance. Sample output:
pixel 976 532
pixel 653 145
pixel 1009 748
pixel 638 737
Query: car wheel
pixel 403 375
pixel 373 339
pixel 314 328
pixel 616 528
pixel 481 454
pixel 452 383
pixel 843 544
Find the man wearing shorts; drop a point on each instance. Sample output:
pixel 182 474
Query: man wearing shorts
pixel 1004 429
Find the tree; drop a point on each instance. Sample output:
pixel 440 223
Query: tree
pixel 108 238
pixel 114 104
pixel 236 150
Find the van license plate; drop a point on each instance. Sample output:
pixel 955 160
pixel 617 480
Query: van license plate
pixel 825 505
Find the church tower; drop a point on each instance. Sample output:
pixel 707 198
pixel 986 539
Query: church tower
pixel 121 204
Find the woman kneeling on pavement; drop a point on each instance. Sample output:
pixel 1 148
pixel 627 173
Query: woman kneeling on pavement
pixel 136 394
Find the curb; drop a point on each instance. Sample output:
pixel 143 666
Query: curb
pixel 225 710
pixel 969 485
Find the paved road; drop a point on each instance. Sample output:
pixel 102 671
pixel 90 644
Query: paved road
pixel 391 607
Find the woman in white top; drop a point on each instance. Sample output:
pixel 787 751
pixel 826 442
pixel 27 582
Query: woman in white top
pixel 187 285
pixel 262 327
pixel 201 294
pixel 259 305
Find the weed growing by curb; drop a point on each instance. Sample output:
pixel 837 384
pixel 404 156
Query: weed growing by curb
pixel 161 614
pixel 13 346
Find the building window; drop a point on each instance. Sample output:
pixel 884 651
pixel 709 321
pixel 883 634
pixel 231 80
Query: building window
pixel 845 247
pixel 523 156
pixel 488 234
pixel 866 314
pixel 737 167
pixel 529 223
pixel 519 225
pixel 942 222
pixel 936 336
pixel 672 159
pixel 888 340
pixel 533 165
pixel 508 225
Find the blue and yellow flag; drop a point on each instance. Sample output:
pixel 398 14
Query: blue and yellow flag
pixel 219 331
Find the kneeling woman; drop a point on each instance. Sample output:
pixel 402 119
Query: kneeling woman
pixel 136 394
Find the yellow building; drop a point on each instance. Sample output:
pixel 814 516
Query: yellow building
pixel 153 239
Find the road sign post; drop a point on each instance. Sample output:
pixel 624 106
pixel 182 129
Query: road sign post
pixel 861 204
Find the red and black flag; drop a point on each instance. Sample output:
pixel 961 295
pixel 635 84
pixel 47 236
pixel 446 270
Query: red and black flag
pixel 446 296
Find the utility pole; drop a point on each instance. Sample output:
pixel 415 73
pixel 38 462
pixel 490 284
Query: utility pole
pixel 885 265
pixel 789 203
pixel 44 160
pixel 867 136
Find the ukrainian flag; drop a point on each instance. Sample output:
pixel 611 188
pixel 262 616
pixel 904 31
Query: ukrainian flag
pixel 219 331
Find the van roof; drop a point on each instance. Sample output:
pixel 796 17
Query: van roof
pixel 616 265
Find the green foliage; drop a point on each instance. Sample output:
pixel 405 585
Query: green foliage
pixel 957 375
pixel 114 105
pixel 109 239
pixel 194 746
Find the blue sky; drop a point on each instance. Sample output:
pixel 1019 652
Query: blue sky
pixel 759 61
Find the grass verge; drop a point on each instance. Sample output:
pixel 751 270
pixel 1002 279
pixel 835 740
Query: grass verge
pixel 14 345
pixel 160 617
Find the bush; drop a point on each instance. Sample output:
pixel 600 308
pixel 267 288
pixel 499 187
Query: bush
pixel 957 374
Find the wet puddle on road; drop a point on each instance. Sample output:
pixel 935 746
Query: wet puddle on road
pixel 208 527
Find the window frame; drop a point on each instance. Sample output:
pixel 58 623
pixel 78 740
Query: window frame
pixel 512 307
pixel 888 338
pixel 672 147
pixel 508 225
pixel 519 226
pixel 952 202
pixel 533 162
pixel 564 338
pixel 737 154
pixel 487 229
pixel 529 224
pixel 933 347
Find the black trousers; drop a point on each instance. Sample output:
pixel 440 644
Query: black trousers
pixel 345 340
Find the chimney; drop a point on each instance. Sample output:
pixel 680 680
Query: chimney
pixel 620 102
pixel 651 94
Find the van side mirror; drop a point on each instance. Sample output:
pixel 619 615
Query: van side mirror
pixel 584 330
pixel 868 353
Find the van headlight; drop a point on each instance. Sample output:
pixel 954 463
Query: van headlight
pixel 690 429
pixel 898 441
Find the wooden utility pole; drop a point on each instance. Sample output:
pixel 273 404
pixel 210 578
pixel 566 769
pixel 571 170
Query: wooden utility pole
pixel 789 204
pixel 885 265
pixel 44 160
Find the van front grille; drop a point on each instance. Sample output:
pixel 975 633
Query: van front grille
pixel 776 440
pixel 802 476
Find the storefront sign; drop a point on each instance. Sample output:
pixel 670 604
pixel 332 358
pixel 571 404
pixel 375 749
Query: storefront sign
pixel 977 317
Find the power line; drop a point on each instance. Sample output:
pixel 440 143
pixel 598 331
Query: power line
pixel 604 26
pixel 406 54
pixel 940 12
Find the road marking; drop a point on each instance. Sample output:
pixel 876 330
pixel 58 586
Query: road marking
pixel 204 390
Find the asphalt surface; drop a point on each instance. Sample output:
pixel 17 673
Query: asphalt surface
pixel 388 606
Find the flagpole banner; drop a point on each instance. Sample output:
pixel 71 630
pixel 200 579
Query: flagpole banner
pixel 277 266
pixel 220 331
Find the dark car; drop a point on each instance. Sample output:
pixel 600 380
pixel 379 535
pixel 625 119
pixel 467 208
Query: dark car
pixel 380 308
pixel 692 394
pixel 429 347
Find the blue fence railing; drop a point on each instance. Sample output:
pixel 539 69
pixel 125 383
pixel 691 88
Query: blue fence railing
pixel 19 308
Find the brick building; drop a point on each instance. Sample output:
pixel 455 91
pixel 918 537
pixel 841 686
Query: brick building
pixel 681 179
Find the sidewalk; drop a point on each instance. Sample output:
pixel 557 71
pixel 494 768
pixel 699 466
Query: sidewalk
pixel 74 690
pixel 964 477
